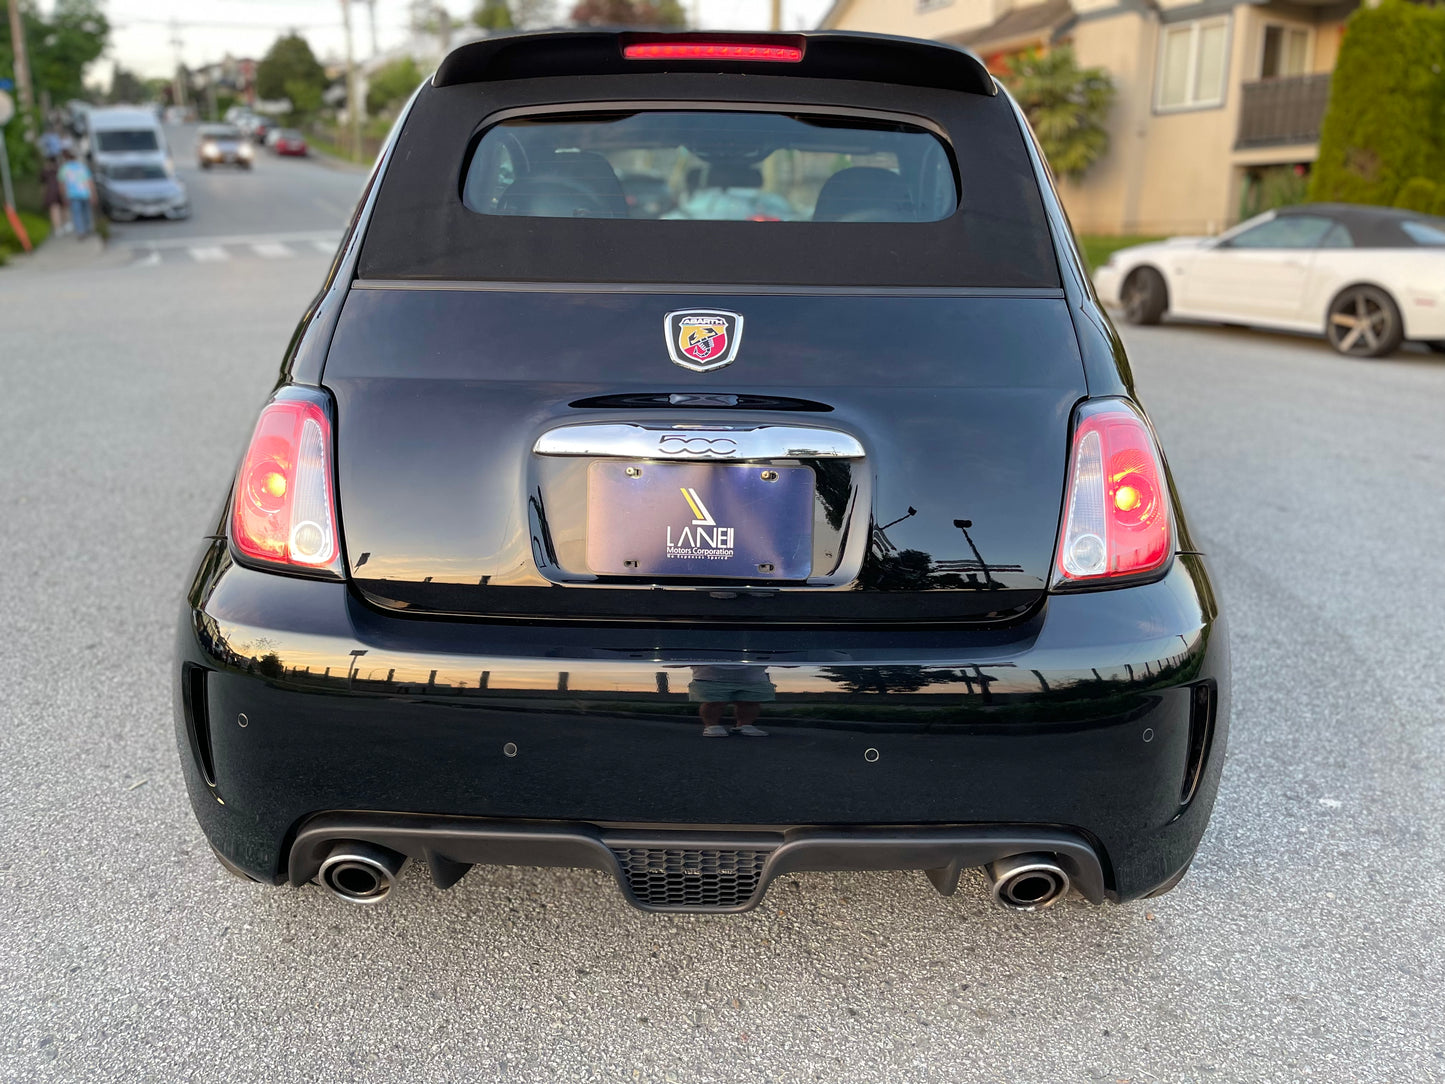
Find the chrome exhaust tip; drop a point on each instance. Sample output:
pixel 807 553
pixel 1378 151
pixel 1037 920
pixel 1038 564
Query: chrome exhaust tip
pixel 1027 882
pixel 360 872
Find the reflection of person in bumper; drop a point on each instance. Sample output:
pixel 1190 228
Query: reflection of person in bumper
pixel 743 685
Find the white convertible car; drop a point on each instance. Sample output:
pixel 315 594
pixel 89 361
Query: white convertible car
pixel 1368 277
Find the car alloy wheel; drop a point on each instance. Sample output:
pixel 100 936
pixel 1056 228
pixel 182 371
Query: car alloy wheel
pixel 1144 297
pixel 1364 323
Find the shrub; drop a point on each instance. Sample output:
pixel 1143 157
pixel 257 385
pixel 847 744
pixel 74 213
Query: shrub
pixel 1274 186
pixel 1418 194
pixel 1385 110
pixel 37 228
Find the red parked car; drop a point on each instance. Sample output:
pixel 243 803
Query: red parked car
pixel 290 141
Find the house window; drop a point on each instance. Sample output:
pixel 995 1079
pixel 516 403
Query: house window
pixel 1286 52
pixel 1193 61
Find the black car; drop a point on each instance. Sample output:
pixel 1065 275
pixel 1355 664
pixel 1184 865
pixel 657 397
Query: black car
pixel 818 529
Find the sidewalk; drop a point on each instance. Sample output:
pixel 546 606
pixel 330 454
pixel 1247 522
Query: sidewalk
pixel 69 254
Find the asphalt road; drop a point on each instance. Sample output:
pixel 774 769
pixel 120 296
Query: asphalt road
pixel 277 196
pixel 1304 945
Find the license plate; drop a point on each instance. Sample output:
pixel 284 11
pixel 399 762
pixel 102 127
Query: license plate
pixel 699 520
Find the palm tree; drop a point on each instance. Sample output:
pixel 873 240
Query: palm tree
pixel 1065 104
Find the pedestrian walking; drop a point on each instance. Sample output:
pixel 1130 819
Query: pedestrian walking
pixel 54 197
pixel 51 145
pixel 79 188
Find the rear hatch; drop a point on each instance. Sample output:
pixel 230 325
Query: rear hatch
pixel 547 407
pixel 951 511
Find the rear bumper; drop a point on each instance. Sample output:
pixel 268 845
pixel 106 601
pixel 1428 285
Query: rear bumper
pixel 1100 721
pixel 712 869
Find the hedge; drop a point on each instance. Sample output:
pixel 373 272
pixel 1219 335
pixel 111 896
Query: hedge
pixel 1383 126
pixel 1418 194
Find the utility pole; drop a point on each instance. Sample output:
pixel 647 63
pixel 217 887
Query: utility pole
pixel 353 102
pixel 776 22
pixel 371 14
pixel 23 87
pixel 178 90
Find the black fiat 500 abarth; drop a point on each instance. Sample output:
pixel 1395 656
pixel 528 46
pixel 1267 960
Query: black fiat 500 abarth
pixel 800 516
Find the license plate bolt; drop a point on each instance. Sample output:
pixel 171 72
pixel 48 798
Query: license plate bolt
pixel 770 476
pixel 634 472
pixel 765 567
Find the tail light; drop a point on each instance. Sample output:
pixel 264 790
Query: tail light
pixel 283 511
pixel 1116 513
pixel 712 50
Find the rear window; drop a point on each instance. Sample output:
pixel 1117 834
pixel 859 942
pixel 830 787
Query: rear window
pixel 122 140
pixel 1423 233
pixel 710 179
pixel 714 166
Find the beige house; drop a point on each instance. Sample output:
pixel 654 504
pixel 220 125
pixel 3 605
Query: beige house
pixel 1208 95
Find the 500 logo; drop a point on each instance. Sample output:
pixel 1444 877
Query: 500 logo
pixel 680 444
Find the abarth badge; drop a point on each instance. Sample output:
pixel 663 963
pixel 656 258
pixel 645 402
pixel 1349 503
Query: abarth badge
pixel 703 339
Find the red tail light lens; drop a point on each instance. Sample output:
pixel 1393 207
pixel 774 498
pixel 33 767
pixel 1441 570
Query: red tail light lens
pixel 712 50
pixel 283 511
pixel 1116 515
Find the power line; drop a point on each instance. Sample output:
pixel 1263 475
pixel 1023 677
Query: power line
pixel 190 24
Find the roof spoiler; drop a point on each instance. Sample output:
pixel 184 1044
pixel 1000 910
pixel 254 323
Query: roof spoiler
pixel 825 55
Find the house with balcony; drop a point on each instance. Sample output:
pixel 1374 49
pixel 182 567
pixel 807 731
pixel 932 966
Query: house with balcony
pixel 1211 96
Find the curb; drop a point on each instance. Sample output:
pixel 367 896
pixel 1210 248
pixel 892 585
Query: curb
pixel 341 165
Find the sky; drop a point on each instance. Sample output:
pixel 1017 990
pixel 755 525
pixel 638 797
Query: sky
pixel 207 29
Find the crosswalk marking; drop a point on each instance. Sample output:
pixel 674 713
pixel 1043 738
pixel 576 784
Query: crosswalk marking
pixel 275 246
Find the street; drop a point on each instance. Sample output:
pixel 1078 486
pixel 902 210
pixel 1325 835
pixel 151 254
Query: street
pixel 1304 944
pixel 277 196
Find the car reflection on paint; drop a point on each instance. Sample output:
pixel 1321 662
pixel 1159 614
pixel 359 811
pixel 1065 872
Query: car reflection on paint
pixel 1368 278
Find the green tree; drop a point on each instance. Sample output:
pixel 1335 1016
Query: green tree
pixel 305 101
pixel 1387 103
pixel 392 85
pixel 532 14
pixel 290 66
pixel 629 13
pixel 60 46
pixel 1066 106
pixel 493 15
pixel 126 86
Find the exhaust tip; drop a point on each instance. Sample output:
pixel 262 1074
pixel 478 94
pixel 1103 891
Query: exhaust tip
pixel 360 872
pixel 1028 882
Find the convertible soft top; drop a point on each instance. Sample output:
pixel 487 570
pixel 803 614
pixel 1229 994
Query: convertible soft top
pixel 1370 226
pixel 999 236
